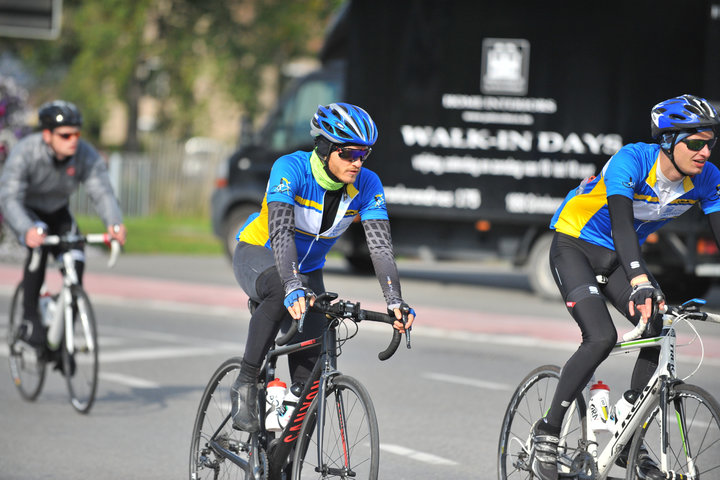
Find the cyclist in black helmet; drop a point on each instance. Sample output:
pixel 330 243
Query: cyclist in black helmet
pixel 595 255
pixel 311 199
pixel 42 172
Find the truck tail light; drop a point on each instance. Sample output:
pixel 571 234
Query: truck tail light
pixel 707 246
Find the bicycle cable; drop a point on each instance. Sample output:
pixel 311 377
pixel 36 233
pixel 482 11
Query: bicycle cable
pixel 684 318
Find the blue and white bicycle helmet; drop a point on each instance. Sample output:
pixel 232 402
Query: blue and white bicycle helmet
pixel 342 123
pixel 682 114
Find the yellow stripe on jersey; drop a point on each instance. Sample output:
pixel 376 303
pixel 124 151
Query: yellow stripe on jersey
pixel 580 209
pixel 308 203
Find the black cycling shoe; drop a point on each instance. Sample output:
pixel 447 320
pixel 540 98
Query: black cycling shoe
pixel 646 467
pixel 243 398
pixel 32 333
pixel 60 366
pixel 543 454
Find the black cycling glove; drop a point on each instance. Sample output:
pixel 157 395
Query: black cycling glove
pixel 644 290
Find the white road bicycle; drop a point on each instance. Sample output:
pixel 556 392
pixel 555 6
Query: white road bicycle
pixel 71 328
pixel 673 424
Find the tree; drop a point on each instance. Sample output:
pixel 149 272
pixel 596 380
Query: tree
pixel 123 50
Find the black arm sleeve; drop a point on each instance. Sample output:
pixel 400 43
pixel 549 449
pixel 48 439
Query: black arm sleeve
pixel 625 237
pixel 377 234
pixel 281 225
pixel 714 219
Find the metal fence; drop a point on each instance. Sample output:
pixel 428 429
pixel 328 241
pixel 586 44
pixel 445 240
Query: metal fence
pixel 172 178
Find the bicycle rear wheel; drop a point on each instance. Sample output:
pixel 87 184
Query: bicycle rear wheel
pixel 213 436
pixel 350 440
pixel 80 353
pixel 529 403
pixel 693 436
pixel 27 364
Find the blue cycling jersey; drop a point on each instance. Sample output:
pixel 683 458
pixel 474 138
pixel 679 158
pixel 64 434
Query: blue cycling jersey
pixel 633 172
pixel 291 181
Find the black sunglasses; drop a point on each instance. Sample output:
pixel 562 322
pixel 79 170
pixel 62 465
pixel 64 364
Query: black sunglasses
pixel 354 154
pixel 67 136
pixel 697 144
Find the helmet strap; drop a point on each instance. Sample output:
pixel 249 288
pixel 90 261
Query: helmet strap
pixel 323 149
pixel 322 175
pixel 669 153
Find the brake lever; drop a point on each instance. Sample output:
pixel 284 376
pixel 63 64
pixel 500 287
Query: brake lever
pixel 405 312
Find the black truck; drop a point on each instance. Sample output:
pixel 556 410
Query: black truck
pixel 489 113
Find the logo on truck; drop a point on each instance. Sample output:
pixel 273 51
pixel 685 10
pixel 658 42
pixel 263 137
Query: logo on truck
pixel 505 65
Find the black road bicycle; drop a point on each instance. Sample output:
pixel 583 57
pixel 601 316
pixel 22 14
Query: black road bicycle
pixel 331 433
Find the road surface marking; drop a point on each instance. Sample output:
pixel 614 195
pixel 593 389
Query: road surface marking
pixel 128 380
pixel 467 381
pixel 416 455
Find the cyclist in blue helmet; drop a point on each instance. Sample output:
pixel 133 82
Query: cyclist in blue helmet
pixel 596 251
pixel 311 199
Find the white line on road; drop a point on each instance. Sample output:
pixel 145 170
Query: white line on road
pixel 416 455
pixel 127 380
pixel 156 353
pixel 467 381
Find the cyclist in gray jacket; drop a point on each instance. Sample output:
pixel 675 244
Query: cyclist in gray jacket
pixel 42 172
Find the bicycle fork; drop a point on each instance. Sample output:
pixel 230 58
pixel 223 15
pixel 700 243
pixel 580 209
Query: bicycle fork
pixel 665 427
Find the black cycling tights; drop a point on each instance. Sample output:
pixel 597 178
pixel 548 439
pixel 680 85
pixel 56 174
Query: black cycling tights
pixel 575 264
pixel 271 314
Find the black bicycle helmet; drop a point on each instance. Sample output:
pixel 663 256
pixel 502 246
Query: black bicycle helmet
pixel 59 113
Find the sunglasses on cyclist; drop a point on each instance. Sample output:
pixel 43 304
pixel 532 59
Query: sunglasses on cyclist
pixel 68 136
pixel 697 144
pixel 354 154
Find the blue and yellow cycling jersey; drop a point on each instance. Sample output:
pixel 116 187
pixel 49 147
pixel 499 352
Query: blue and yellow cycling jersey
pixel 291 181
pixel 632 172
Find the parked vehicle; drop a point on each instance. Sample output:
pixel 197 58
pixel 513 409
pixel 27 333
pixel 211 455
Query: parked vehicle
pixel 488 114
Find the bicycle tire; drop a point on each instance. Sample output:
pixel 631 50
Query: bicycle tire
pixel 529 403
pixel 212 418
pixel 700 438
pixel 27 364
pixel 80 367
pixel 351 443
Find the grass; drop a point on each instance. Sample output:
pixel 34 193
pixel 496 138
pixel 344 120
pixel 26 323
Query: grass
pixel 162 235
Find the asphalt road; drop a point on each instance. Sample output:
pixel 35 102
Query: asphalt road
pixel 166 322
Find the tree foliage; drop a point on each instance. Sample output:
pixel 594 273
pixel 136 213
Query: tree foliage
pixel 120 50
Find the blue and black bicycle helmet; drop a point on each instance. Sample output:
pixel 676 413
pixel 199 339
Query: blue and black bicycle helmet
pixel 59 113
pixel 682 114
pixel 342 123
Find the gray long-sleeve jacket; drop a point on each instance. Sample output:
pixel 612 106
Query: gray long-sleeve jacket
pixel 31 178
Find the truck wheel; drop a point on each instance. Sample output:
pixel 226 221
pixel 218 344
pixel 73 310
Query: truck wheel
pixel 233 222
pixel 538 269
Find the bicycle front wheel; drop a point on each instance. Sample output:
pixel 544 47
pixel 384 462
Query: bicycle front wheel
pixel 692 430
pixel 531 402
pixel 348 445
pixel 27 364
pixel 215 444
pixel 80 353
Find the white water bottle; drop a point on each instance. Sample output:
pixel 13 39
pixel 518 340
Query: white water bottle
pixel 599 406
pixel 45 302
pixel 290 402
pixel 55 312
pixel 622 407
pixel 274 405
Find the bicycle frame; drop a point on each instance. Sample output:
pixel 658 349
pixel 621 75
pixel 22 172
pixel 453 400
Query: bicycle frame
pixel 658 386
pixel 279 449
